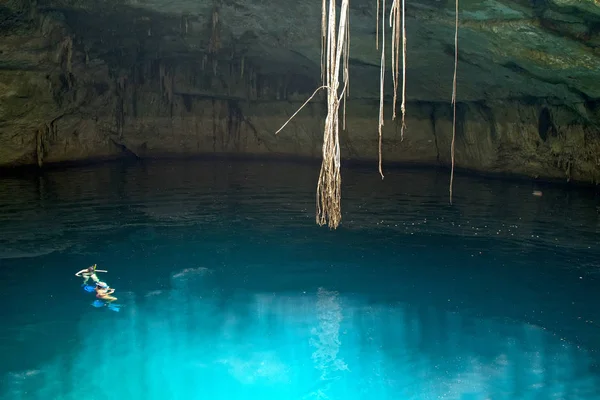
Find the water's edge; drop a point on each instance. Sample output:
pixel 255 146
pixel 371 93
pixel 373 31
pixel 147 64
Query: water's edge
pixel 368 164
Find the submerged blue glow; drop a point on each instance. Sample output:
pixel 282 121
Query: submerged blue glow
pixel 228 305
pixel 181 343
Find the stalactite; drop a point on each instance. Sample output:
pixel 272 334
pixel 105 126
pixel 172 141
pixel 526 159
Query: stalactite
pixel 252 84
pixel 69 48
pixel 235 118
pixel 169 87
pixel 214 43
pixel 120 106
pixel 39 144
pixel 166 81
pixel 31 9
pixel 214 125
pixel 161 75
pixel 64 54
pixel 279 88
pixel 264 88
pixel 248 81
pixel 45 132
pixel 184 24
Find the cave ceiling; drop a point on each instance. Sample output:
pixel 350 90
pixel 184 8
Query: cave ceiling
pixel 507 49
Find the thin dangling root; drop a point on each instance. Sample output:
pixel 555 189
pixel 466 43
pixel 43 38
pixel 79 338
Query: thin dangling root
pixel 332 54
pixel 301 107
pixel 396 18
pixel 323 38
pixel 346 56
pixel 382 79
pixel 377 27
pixel 403 106
pixel 454 98
pixel 394 45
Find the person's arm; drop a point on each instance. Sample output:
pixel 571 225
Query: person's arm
pixel 80 272
pixel 100 270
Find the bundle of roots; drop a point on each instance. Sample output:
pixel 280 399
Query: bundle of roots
pixel 335 50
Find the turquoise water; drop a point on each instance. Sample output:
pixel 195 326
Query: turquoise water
pixel 231 291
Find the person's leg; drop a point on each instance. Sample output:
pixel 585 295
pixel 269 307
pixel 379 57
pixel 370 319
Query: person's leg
pixel 107 298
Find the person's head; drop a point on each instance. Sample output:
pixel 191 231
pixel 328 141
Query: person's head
pixel 90 269
pixel 102 285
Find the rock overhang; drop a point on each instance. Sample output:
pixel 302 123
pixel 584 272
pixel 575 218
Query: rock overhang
pixel 508 49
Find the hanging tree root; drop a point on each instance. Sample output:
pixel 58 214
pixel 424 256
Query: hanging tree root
pixel 397 18
pixel 329 184
pixel 335 48
pixel 301 107
pixel 381 80
pixel 323 39
pixel 335 51
pixel 403 106
pixel 454 97
pixel 394 21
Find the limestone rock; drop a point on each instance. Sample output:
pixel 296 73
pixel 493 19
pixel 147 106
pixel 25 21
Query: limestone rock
pixel 82 79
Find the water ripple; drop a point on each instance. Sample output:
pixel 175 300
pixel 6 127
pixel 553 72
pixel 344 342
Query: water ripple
pixel 57 204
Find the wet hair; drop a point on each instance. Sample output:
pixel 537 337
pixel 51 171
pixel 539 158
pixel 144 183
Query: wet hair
pixel 90 269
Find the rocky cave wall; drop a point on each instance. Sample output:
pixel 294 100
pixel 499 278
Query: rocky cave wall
pixel 81 82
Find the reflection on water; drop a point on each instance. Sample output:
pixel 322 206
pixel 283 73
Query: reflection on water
pixel 64 209
pixel 190 343
pixel 231 291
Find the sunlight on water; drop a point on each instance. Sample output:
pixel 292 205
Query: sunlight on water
pixel 192 342
pixel 492 298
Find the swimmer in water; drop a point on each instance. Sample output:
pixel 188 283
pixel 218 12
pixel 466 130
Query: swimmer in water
pixel 88 273
pixel 103 292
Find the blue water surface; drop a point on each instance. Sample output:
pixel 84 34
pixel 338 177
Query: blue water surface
pixel 229 290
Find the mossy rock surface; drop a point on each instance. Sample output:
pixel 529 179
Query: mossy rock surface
pixel 84 79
